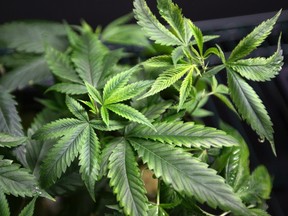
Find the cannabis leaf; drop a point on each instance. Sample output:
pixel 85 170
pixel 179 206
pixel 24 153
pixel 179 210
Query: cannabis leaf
pixel 188 175
pixel 125 178
pixel 250 107
pixel 8 140
pixel 29 209
pixel 77 136
pixel 185 134
pixel 4 206
pixel 151 26
pixel 254 39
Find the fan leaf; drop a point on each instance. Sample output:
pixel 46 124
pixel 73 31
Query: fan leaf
pixel 126 181
pixel 29 209
pixel 76 109
pixel 8 140
pixel 185 134
pixel 188 175
pixel 250 107
pixel 4 206
pixel 152 27
pixel 68 88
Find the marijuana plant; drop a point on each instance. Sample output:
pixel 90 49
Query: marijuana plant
pixel 108 114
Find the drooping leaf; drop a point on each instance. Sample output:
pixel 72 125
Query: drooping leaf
pixel 8 140
pixel 10 121
pixel 29 209
pixel 260 68
pixel 151 26
pixel 32 36
pixel 129 113
pixel 185 134
pixel 60 65
pixel 167 78
pixel 126 181
pixel 254 39
pixel 4 206
pixel 34 71
pixel 173 15
pixel 250 107
pixel 62 154
pixel 89 160
pixel 16 180
pixel 188 175
pixel 88 57
pixel 76 109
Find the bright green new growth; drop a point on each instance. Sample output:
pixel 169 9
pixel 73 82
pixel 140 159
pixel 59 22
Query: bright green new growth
pixel 108 115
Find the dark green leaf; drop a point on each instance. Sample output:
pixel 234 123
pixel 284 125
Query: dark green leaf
pixel 76 109
pixel 29 209
pixel 8 140
pixel 4 206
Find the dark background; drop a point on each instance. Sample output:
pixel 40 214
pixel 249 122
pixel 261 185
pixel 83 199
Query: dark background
pixel 100 12
pixel 274 94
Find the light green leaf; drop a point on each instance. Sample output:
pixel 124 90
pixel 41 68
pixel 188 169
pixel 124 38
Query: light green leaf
pixel 198 36
pixel 173 15
pixel 185 134
pixel 76 109
pixel 118 81
pixel 105 115
pixel 259 212
pixel 177 54
pixel 4 206
pixel 34 71
pixel 57 128
pixel 88 58
pixel 259 69
pixel 10 121
pixel 129 113
pixel 29 209
pixel 72 36
pixel 126 181
pixel 162 61
pixel 16 180
pixel 89 160
pixel 185 89
pixel 250 107
pixel 68 88
pixel 62 154
pixel 151 26
pixel 60 65
pixel 128 92
pixel 8 140
pixel 167 78
pixel 94 93
pixel 254 39
pixel 189 176
pixel 213 71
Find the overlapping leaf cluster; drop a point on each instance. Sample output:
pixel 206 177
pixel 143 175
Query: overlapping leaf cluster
pixel 111 116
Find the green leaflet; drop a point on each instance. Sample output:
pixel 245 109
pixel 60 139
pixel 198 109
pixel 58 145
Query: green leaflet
pixel 4 206
pixel 126 181
pixel 32 37
pixel 88 57
pixel 29 209
pixel 94 93
pixel 8 140
pixel 57 128
pixel 10 121
pixel 254 39
pixel 151 26
pixel 62 154
pixel 89 160
pixel 16 180
pixel 128 92
pixel 185 89
pixel 167 78
pixel 250 107
pixel 76 109
pixel 60 65
pixel 198 36
pixel 118 81
pixel 113 125
pixel 188 175
pixel 177 54
pixel 105 115
pixel 34 71
pixel 173 15
pixel 129 113
pixel 260 69
pixel 68 88
pixel 185 134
